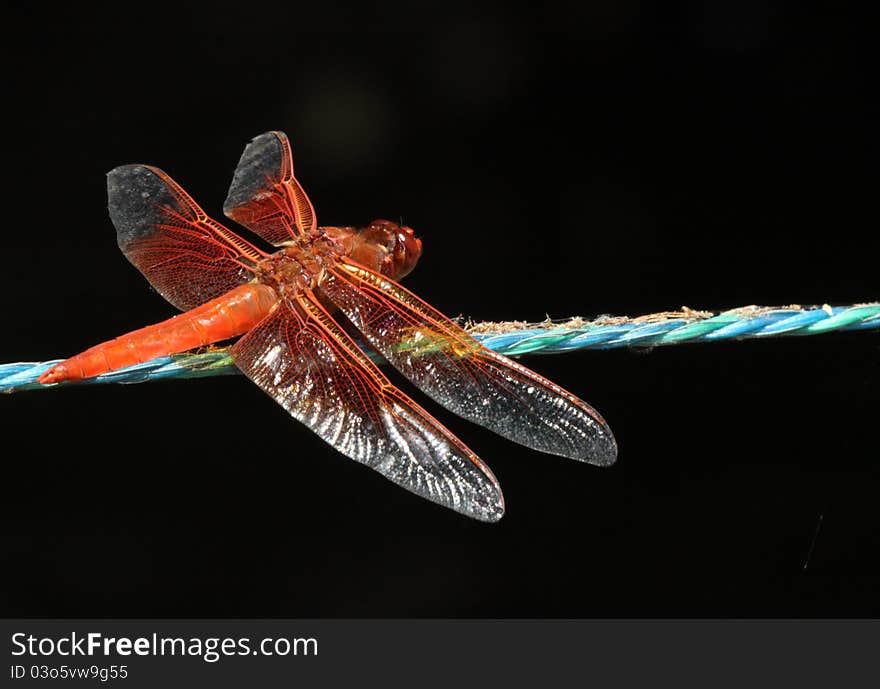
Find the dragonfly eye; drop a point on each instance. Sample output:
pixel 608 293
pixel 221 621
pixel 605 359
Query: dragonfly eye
pixel 407 250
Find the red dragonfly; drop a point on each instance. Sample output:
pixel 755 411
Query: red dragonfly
pixel 282 304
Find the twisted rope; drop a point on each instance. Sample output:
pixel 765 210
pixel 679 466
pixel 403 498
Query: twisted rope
pixel 517 338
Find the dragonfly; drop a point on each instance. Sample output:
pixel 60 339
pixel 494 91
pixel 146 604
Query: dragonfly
pixel 292 307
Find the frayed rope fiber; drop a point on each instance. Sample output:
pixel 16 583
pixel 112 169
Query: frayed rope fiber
pixel 515 338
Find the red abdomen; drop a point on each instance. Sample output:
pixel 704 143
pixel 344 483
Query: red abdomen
pixel 229 315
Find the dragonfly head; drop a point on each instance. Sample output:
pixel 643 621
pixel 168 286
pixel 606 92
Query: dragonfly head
pixel 401 244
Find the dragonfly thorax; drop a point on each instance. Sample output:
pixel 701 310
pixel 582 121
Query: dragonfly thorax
pixel 298 267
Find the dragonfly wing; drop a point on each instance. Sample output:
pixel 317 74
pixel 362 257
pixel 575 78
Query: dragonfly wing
pixel 306 363
pixel 476 383
pixel 264 195
pixel 188 257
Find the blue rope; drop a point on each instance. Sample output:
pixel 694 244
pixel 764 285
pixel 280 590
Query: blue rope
pixel 515 339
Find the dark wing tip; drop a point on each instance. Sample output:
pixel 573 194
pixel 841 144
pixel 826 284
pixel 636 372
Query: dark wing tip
pixel 483 499
pixel 262 160
pixel 492 513
pixel 603 449
pixel 597 445
pixel 133 194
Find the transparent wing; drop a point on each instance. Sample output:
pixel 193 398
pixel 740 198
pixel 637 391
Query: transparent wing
pixel 303 360
pixel 264 195
pixel 188 257
pixel 474 382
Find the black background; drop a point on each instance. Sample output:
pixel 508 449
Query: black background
pixel 608 157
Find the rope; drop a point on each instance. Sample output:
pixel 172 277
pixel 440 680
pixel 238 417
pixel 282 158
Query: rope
pixel 516 338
